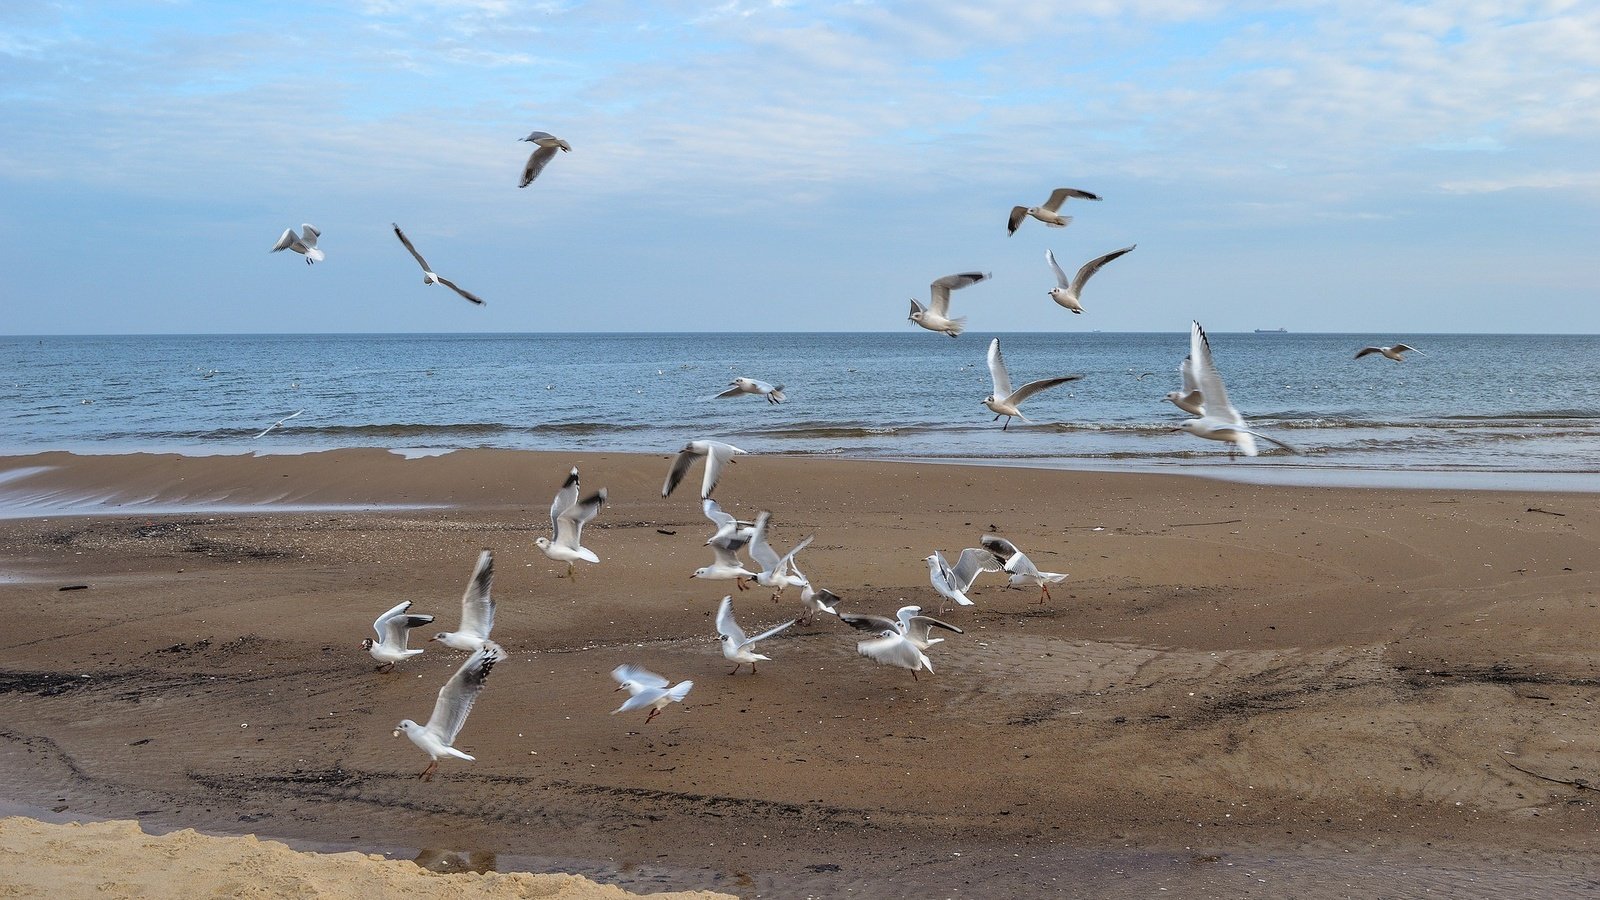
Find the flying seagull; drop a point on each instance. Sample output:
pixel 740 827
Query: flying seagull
pixel 1394 353
pixel 647 689
pixel 1005 401
pixel 548 144
pixel 936 315
pixel 450 711
pixel 814 599
pixel 1048 212
pixel 736 647
pixel 303 243
pixel 1020 567
pixel 1066 293
pixel 952 583
pixel 393 627
pixel 1218 421
pixel 277 423
pixel 428 276
pixel 775 570
pixel 568 515
pixel 1189 399
pixel 774 394
pixel 477 609
pixel 715 453
pixel 909 621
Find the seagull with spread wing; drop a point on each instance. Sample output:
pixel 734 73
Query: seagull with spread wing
pixel 477 609
pixel 936 315
pixel 304 243
pixel 646 689
pixel 568 515
pixel 776 571
pixel 773 393
pixel 1395 353
pixel 715 453
pixel 428 275
pixel 1189 399
pixel 438 737
pixel 1219 420
pixel 1067 291
pixel 953 582
pixel 1048 212
pixel 1005 401
pixel 737 648
pixel 1020 567
pixel 394 628
pixel 546 145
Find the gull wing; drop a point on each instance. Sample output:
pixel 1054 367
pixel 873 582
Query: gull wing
pixel 788 558
pixel 717 453
pixel 536 163
pixel 760 550
pixel 727 553
pixel 919 627
pixel 969 564
pixel 286 241
pixel 726 624
pixel 999 546
pixel 380 624
pixel 413 250
pixel 1018 213
pixel 539 136
pixel 1271 440
pixel 1060 195
pixel 466 294
pixel 680 467
pixel 1034 387
pixel 642 698
pixel 1213 396
pixel 1365 351
pixel 916 307
pixel 730 392
pixel 997 371
pixel 1088 269
pixel 1186 370
pixel 477 605
pixel 940 289
pixel 1406 347
pixel 1020 564
pixel 569 527
pixel 766 634
pixel 461 692
pixel 635 678
pixel 1061 277
pixel 309 234
pixel 864 622
pixel 565 497
pixel 894 650
pixel 727 525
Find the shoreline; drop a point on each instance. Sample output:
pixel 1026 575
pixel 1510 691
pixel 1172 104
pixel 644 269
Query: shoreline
pixel 1315 686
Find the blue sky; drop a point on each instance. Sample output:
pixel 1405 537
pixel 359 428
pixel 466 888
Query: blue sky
pixel 1340 166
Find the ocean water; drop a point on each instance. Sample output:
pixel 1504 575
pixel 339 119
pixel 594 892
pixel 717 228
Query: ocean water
pixel 1486 404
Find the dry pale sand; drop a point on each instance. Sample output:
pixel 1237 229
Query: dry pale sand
pixel 1241 691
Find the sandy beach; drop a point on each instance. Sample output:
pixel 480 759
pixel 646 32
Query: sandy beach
pixel 1240 691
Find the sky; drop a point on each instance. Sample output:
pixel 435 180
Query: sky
pixel 1376 167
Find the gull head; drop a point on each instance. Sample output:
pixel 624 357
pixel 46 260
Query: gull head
pixel 405 725
pixel 701 573
pixel 916 315
pixel 543 543
pixel 366 644
pixel 439 637
pixel 1190 425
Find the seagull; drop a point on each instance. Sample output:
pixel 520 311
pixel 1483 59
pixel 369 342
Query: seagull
pixel 548 144
pixel 568 515
pixel 1190 400
pixel 393 628
pixel 1048 213
pixel 1020 567
pixel 775 572
pixel 728 527
pixel 647 689
pixel 909 621
pixel 1005 401
pixel 727 565
pixel 1066 292
pixel 477 609
pixel 715 452
pixel 1393 353
pixel 814 599
pixel 935 316
pixel 277 423
pixel 752 386
pixel 305 243
pixel 953 583
pixel 450 710
pixel 428 276
pixel 736 647
pixel 1218 421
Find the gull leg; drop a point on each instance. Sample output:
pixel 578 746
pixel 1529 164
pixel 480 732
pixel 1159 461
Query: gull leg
pixel 572 570
pixel 996 418
pixel 427 774
pixel 914 675
pixel 736 668
pixel 739 580
pixel 653 713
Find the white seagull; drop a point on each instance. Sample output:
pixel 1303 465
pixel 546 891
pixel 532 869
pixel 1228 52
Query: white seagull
pixel 1005 401
pixel 909 621
pixel 304 243
pixel 715 453
pixel 936 315
pixel 736 647
pixel 773 393
pixel 1066 293
pixel 1020 567
pixel 277 423
pixel 393 628
pixel 477 609
pixel 1394 353
pixel 450 711
pixel 1190 400
pixel 775 570
pixel 727 566
pixel 568 515
pixel 1218 421
pixel 1048 212
pixel 953 583
pixel 647 689
pixel 428 275
pixel 547 145
pixel 728 527
pixel 814 599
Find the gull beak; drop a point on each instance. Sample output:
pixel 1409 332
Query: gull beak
pixel 618 688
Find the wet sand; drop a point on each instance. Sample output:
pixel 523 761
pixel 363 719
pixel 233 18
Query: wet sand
pixel 1241 690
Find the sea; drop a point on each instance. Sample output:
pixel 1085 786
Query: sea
pixel 1469 410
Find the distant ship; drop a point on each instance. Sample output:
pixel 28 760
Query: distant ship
pixel 1272 331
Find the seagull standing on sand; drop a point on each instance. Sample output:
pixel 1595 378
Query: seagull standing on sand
pixel 1394 353
pixel 393 628
pixel 936 315
pixel 647 689
pixel 547 145
pixel 736 647
pixel 450 711
pixel 774 394
pixel 1218 421
pixel 277 423
pixel 477 609
pixel 715 453
pixel 304 243
pixel 1005 401
pixel 814 599
pixel 1020 567
pixel 1048 213
pixel 952 583
pixel 775 571
pixel 1189 399
pixel 568 515
pixel 428 276
pixel 1066 293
